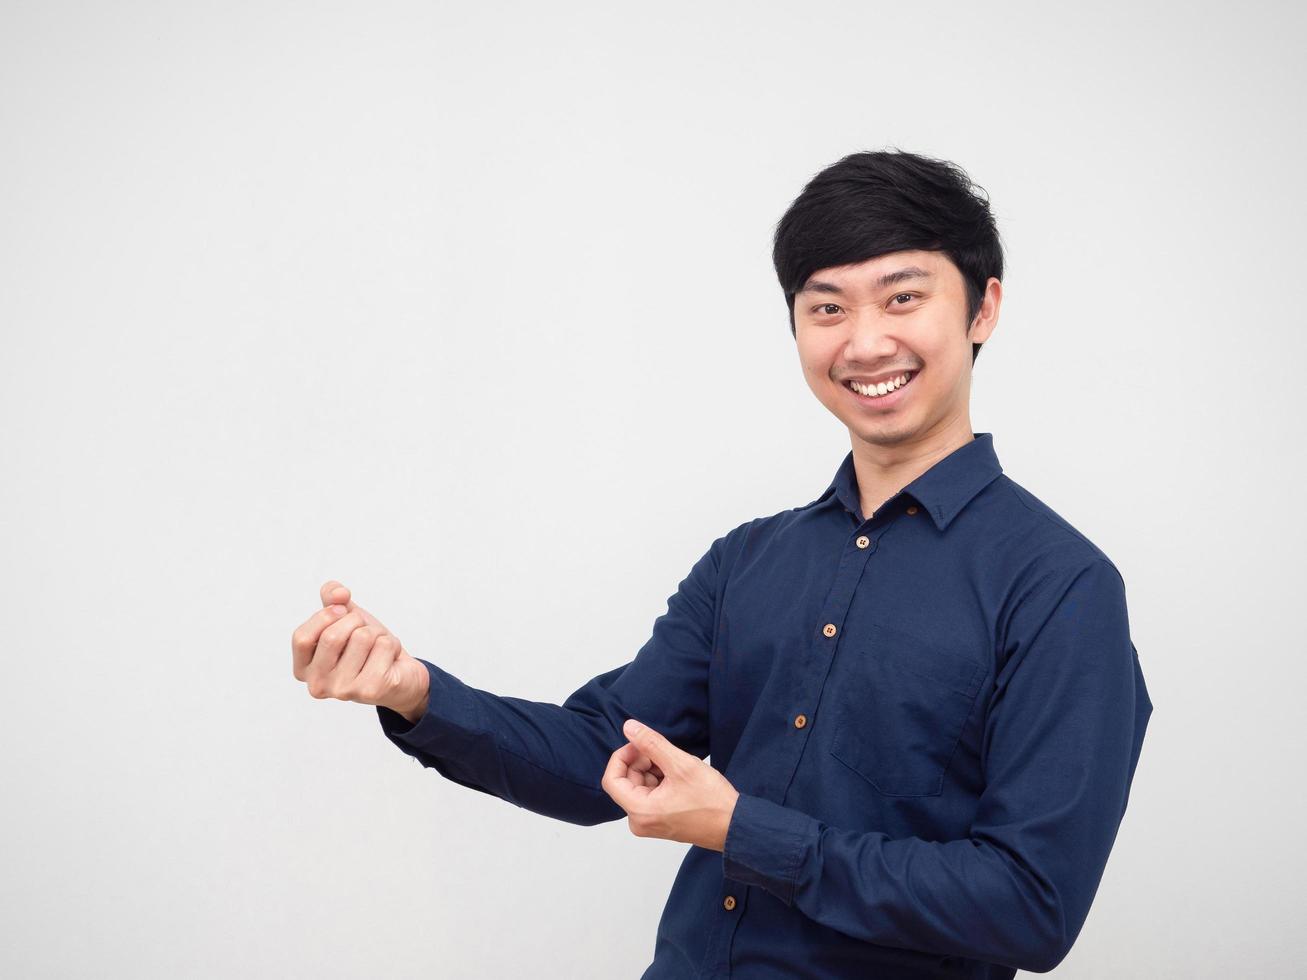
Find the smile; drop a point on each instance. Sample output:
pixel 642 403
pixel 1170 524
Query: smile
pixel 884 394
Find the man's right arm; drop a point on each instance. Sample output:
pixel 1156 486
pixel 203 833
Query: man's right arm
pixel 550 758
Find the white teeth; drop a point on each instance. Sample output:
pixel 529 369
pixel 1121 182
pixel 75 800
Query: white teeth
pixel 882 388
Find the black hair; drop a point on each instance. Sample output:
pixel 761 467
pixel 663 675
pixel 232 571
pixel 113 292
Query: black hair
pixel 871 203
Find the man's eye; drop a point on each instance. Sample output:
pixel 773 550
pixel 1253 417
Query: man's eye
pixel 825 308
pixel 908 295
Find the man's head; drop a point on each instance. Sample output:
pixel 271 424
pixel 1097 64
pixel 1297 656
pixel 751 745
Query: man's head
pixel 891 262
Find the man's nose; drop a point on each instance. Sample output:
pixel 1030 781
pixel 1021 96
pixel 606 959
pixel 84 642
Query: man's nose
pixel 871 338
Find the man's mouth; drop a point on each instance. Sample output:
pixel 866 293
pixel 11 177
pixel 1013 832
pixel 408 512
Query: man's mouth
pixel 883 388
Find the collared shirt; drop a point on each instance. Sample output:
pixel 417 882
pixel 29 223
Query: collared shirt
pixel 932 715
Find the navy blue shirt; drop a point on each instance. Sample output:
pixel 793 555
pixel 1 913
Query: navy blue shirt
pixel 932 715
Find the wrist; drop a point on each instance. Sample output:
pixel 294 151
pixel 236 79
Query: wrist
pixel 413 714
pixel 413 710
pixel 724 823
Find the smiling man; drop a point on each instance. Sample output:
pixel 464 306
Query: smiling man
pixel 918 691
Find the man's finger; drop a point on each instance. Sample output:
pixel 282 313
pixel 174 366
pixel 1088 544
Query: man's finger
pixel 384 653
pixel 305 638
pixel 353 656
pixel 332 641
pixel 333 592
pixel 653 744
pixel 615 778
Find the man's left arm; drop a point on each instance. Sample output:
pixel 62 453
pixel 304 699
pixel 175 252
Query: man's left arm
pixel 1062 740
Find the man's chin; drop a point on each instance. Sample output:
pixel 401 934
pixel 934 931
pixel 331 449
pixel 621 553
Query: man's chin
pixel 889 432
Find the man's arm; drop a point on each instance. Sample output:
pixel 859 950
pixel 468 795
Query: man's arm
pixel 1061 743
pixel 550 758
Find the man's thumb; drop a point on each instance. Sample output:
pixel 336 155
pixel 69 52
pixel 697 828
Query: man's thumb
pixel 335 594
pixel 654 745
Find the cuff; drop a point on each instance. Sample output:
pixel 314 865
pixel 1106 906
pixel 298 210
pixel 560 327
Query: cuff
pixel 451 719
pixel 765 843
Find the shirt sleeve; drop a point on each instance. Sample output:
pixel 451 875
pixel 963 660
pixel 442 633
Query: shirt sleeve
pixel 551 758
pixel 1062 739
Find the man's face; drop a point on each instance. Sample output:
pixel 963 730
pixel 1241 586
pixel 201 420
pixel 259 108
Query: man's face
pixel 873 321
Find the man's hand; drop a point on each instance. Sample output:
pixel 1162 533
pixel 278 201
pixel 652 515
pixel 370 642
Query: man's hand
pixel 667 792
pixel 344 652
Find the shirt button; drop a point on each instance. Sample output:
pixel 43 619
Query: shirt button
pixel 863 541
pixel 800 721
pixel 729 903
pixel 912 509
pixel 829 629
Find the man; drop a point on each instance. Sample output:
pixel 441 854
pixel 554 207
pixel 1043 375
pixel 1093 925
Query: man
pixel 919 692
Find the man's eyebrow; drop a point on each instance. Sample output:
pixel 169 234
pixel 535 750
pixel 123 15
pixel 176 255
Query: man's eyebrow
pixel 888 279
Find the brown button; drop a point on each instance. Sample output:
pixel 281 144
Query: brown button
pixel 800 721
pixel 829 629
pixel 729 903
pixel 863 541
pixel 912 509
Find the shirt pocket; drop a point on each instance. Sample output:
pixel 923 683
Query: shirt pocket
pixel 900 712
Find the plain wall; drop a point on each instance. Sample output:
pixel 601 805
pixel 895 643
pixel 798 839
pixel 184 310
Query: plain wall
pixel 470 306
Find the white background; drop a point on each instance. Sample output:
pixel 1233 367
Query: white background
pixel 471 307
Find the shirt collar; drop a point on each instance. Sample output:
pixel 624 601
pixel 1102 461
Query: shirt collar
pixel 943 490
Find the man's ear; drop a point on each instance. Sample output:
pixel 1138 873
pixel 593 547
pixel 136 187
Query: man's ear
pixel 983 326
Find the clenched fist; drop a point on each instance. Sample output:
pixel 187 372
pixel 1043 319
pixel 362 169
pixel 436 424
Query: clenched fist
pixel 343 652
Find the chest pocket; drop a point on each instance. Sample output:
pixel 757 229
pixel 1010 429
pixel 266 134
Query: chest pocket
pixel 900 711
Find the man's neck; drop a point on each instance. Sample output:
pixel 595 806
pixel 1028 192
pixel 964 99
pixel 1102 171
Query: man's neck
pixel 884 470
